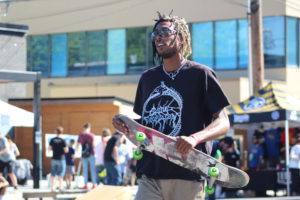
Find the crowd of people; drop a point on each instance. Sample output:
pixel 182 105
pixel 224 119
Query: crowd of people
pixel 268 151
pixel 109 161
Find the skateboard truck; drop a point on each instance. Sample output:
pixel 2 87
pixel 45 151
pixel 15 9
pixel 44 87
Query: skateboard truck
pixel 213 173
pixel 140 137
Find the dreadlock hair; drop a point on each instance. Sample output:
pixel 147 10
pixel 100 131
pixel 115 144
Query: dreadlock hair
pixel 181 28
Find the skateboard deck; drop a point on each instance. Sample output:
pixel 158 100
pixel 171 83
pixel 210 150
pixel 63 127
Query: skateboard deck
pixel 196 161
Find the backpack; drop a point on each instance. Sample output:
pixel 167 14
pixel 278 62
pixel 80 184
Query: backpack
pixel 86 150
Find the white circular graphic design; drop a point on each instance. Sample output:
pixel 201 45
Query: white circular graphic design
pixel 162 110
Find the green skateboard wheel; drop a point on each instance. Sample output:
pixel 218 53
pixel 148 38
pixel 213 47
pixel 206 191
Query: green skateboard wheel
pixel 213 171
pixel 140 136
pixel 209 191
pixel 137 156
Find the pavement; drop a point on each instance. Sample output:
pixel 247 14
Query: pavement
pixel 13 194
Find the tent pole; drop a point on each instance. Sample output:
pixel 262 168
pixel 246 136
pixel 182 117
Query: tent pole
pixel 287 157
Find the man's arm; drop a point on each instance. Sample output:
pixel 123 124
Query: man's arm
pixel 218 127
pixel 116 154
pixel 4 150
pixel 66 149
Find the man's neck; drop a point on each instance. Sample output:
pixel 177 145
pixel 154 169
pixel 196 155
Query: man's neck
pixel 173 63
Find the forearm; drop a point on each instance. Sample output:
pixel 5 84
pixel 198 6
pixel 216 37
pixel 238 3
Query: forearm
pixel 116 154
pixel 4 150
pixel 216 128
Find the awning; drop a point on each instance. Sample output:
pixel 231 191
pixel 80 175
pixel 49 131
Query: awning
pixel 11 116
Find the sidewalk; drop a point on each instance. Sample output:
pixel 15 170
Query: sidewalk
pixel 12 194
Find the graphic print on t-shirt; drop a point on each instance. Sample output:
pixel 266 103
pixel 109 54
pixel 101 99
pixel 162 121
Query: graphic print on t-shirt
pixel 162 110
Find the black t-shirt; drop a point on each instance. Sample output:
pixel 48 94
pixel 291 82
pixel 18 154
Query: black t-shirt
pixel 111 143
pixel 231 159
pixel 58 145
pixel 177 107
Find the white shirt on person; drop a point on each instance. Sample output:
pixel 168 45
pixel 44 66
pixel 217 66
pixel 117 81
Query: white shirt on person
pixel 295 157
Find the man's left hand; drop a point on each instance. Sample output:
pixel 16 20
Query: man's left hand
pixel 184 144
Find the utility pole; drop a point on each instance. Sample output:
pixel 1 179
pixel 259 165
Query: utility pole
pixel 257 45
pixel 250 75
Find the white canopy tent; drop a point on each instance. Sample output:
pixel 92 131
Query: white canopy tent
pixel 11 116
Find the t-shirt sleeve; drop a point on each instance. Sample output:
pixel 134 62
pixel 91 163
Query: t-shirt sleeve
pixel 215 98
pixel 51 142
pixel 138 104
pixel 80 139
pixel 64 143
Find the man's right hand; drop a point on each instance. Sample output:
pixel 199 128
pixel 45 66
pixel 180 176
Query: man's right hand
pixel 119 125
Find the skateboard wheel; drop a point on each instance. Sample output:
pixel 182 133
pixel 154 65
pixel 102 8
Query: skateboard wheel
pixel 209 191
pixel 213 171
pixel 140 136
pixel 137 156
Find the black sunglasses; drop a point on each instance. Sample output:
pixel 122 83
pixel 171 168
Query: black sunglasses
pixel 163 32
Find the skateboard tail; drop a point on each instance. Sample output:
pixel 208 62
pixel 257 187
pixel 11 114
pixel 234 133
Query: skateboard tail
pixel 236 180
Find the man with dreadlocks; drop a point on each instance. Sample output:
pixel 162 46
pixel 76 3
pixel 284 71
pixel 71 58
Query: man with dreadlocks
pixel 179 98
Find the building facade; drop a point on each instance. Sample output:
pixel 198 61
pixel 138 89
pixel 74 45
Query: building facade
pixel 100 48
pixel 92 48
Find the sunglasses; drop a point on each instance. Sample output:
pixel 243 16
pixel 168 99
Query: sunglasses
pixel 163 32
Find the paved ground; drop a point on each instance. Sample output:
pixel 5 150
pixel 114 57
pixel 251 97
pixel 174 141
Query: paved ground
pixel 13 194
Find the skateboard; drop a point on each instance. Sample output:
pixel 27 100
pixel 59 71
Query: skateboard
pixel 163 145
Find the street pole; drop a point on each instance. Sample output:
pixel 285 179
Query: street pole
pixel 257 45
pixel 250 75
pixel 37 134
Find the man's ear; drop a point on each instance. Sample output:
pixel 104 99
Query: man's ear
pixel 180 39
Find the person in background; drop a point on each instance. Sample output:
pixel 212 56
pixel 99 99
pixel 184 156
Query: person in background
pixel 256 154
pixel 111 160
pixel 70 164
pixel 99 151
pixel 125 154
pixel 295 165
pixel 58 163
pixel 13 147
pixel 231 157
pixel 3 185
pixel 7 161
pixel 87 141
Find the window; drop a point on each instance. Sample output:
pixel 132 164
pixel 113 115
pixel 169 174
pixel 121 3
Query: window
pixel 273 40
pixel 96 53
pixel 136 49
pixel 242 43
pixel 226 44
pixel 76 54
pixel 202 43
pixel 40 55
pixel 116 51
pixel 291 39
pixel 59 55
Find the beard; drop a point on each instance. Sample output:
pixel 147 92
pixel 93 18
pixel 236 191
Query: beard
pixel 169 53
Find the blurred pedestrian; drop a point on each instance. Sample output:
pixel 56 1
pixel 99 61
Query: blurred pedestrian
pixel 256 154
pixel 295 165
pixel 111 160
pixel 99 151
pixel 58 163
pixel 7 161
pixel 87 141
pixel 125 154
pixel 13 147
pixel 70 164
